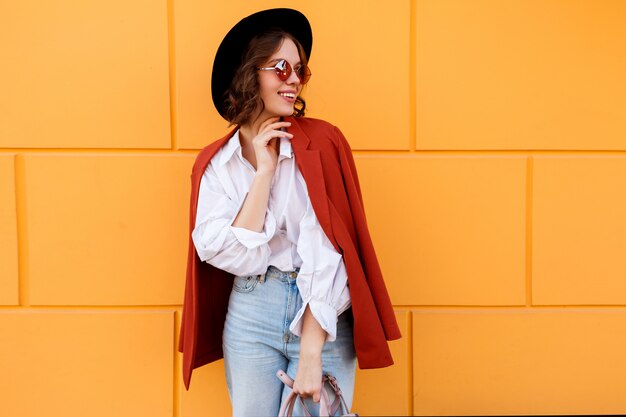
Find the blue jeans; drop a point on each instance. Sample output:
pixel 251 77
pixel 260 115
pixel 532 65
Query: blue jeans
pixel 257 343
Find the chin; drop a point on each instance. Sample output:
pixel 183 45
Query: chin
pixel 284 112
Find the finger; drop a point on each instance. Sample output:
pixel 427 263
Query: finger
pixel 275 126
pixel 285 134
pixel 264 138
pixel 316 396
pixel 268 123
pixel 272 134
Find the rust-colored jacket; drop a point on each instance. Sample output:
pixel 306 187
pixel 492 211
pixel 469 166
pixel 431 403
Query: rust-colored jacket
pixel 325 160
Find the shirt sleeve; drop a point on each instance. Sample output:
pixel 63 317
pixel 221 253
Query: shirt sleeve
pixel 236 250
pixel 322 279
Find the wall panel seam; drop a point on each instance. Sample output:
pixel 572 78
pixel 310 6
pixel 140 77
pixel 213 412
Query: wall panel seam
pixel 512 307
pixel 412 76
pixel 177 386
pixel 93 307
pixel 381 152
pixel 172 73
pixel 97 151
pixel 22 231
pixel 410 371
pixel 529 231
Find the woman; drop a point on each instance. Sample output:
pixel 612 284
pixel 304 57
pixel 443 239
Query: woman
pixel 276 206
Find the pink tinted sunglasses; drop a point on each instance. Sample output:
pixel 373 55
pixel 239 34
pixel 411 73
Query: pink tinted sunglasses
pixel 283 71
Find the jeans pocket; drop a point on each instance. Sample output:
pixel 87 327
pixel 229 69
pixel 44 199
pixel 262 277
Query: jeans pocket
pixel 245 284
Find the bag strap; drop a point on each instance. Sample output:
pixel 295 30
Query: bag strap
pixel 286 408
pixel 326 408
pixel 340 402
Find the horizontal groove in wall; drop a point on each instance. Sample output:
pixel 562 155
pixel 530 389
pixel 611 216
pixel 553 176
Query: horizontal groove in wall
pixel 140 151
pixel 528 152
pixel 179 307
pixel 92 308
pixel 97 151
pixel 510 307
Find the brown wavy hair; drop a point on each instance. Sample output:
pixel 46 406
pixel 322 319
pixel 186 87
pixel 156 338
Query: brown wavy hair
pixel 242 99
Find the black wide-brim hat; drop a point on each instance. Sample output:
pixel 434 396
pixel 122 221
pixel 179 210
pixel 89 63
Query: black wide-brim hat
pixel 229 54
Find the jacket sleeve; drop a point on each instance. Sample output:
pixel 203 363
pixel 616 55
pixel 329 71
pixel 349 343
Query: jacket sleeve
pixel 235 250
pixel 349 168
pixel 364 245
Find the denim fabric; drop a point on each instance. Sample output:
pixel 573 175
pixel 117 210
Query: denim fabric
pixel 257 343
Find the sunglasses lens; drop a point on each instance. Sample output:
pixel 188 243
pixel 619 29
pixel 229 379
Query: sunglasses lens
pixel 283 70
pixel 304 73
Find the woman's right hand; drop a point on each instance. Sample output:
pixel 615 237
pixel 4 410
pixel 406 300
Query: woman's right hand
pixel 264 144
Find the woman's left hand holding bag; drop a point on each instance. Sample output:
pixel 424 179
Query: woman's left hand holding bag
pixel 308 381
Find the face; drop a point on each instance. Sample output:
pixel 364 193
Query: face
pixel 279 96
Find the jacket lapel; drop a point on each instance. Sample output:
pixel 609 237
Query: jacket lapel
pixel 310 165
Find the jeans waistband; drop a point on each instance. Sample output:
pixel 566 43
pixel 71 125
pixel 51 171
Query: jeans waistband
pixel 273 272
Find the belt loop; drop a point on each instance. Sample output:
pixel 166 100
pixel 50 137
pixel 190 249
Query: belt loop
pixel 262 278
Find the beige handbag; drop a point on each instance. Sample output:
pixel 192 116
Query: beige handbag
pixel 326 408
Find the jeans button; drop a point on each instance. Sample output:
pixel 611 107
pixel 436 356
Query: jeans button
pixel 294 274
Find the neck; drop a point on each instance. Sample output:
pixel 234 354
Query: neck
pixel 248 132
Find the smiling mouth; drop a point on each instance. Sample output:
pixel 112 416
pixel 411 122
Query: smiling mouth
pixel 288 95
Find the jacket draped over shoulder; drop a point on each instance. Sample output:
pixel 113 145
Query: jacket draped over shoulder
pixel 325 160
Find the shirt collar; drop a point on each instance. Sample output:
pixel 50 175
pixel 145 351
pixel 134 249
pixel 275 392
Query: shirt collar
pixel 285 148
pixel 233 145
pixel 229 149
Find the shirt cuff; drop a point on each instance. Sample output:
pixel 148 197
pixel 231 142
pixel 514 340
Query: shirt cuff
pixel 251 239
pixel 325 315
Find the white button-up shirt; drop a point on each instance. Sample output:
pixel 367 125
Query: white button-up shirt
pixel 291 237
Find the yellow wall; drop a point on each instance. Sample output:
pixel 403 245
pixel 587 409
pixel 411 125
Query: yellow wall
pixel 490 141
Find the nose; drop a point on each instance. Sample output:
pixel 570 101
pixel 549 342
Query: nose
pixel 293 78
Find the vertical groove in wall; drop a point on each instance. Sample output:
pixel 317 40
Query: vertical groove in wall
pixel 409 346
pixel 177 369
pixel 172 72
pixel 176 385
pixel 413 75
pixel 22 236
pixel 529 230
